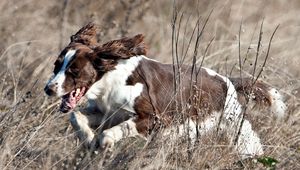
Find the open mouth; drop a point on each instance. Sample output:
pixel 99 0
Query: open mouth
pixel 70 100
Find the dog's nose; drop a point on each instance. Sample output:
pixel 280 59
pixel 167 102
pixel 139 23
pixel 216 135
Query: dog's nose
pixel 50 89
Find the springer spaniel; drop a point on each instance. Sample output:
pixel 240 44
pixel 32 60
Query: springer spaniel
pixel 120 81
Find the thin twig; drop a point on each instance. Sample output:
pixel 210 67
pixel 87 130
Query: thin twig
pixel 249 47
pixel 205 53
pixel 258 48
pixel 267 55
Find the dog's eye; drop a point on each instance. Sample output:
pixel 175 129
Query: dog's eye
pixel 57 66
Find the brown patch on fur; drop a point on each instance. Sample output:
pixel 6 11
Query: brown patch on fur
pixel 158 103
pixel 104 65
pixel 80 72
pixel 123 48
pixel 247 92
pixel 86 35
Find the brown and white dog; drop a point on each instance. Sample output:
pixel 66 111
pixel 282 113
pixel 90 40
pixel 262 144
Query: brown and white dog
pixel 117 77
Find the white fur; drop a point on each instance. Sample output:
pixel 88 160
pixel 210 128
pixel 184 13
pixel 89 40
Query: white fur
pixel 150 59
pixel 248 142
pixel 209 123
pixel 60 77
pixel 111 91
pixel 277 105
pixel 188 127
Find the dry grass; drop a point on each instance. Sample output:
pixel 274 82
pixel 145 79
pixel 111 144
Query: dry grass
pixel 34 135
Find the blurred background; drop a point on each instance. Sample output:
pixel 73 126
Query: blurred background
pixel 34 135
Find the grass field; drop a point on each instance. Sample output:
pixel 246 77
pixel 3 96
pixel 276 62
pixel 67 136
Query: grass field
pixel 34 135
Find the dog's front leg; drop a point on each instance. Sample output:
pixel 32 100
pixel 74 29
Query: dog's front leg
pixel 81 123
pixel 109 137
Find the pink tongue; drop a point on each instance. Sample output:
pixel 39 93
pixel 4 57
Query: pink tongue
pixel 72 100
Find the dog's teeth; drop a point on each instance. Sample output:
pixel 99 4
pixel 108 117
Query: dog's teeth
pixel 77 92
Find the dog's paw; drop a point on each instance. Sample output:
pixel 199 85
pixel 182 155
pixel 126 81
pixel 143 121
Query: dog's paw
pixel 103 143
pixel 106 142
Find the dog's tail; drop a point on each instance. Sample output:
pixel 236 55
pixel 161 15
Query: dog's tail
pixel 259 95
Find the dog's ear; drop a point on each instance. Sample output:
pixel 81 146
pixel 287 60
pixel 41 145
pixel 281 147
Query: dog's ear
pixel 123 48
pixel 87 35
pixel 136 45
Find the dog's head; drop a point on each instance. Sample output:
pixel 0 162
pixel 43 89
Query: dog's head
pixel 84 61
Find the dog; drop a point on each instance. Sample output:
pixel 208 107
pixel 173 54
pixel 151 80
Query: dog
pixel 142 94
